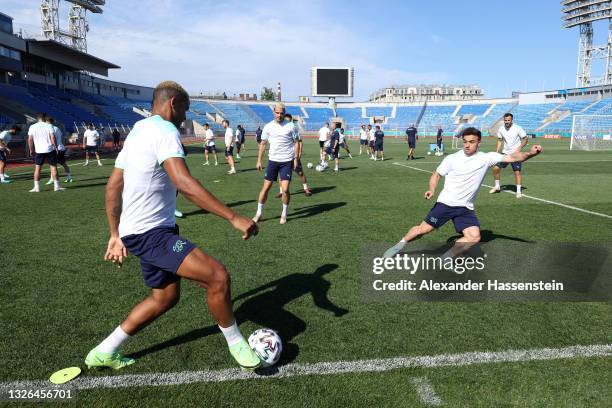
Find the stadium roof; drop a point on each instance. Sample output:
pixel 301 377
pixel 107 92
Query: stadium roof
pixel 57 52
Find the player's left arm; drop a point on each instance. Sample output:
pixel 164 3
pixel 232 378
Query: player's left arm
pixel 524 141
pixel 522 156
pixel 322 301
pixel 433 183
pixel 116 252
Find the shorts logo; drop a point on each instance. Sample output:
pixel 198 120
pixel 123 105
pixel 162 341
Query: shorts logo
pixel 433 220
pixel 179 245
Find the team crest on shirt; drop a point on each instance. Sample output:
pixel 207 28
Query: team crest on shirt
pixel 433 220
pixel 178 245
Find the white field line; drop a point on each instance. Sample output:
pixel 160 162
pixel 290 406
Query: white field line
pixel 570 207
pixel 323 368
pixel 541 161
pixel 426 392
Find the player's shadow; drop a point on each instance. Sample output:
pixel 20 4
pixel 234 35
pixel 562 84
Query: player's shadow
pixel 265 306
pixel 234 204
pixel 488 236
pixel 315 209
pixel 318 190
pixel 73 186
pixel 510 187
pixel 347 168
pixel 246 170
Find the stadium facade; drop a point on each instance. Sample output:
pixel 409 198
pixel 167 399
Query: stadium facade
pixel 427 93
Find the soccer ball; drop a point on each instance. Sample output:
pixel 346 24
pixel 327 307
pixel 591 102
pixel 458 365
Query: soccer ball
pixel 429 153
pixel 268 346
pixel 309 165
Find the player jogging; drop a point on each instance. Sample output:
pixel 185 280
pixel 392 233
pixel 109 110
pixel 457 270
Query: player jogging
pixel 411 137
pixel 209 144
pixel 282 137
pixel 91 138
pixel 140 203
pixel 229 146
pixel 363 139
pixel 463 172
pixel 514 138
pixel 5 139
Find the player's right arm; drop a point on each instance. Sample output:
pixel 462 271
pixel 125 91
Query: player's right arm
pixel 30 145
pixel 196 193
pixel 115 251
pixel 500 141
pixel 522 156
pixel 260 153
pixel 433 183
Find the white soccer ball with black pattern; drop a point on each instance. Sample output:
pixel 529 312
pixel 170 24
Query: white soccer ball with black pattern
pixel 268 346
pixel 309 165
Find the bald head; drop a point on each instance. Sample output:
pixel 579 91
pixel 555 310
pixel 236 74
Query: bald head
pixel 168 90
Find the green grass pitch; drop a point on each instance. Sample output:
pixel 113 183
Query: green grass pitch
pixel 59 298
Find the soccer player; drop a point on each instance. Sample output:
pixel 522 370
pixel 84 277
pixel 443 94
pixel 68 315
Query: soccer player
pixel 439 141
pixel 363 139
pixel 91 138
pixel 229 147
pixel 140 201
pixel 239 139
pixel 5 138
pixel 282 137
pixel 379 136
pixel 42 144
pixel 258 135
pixel 371 142
pixel 464 172
pixel 334 146
pixel 411 136
pixel 297 162
pixel 513 138
pixel 116 139
pixel 324 134
pixel 209 144
pixel 343 142
pixel 61 150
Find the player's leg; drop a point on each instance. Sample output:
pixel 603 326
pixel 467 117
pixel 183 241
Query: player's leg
pixel 262 198
pixel 518 179
pixel 212 275
pixel 39 159
pixel 302 176
pixel 216 156
pixel 98 158
pixel 86 156
pixel 2 167
pixel 61 159
pixel 413 234
pixel 205 155
pixel 496 177
pixel 286 198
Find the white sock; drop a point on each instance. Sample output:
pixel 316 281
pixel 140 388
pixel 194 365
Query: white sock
pixel 305 186
pixel 284 213
pixel 518 188
pixel 99 162
pixel 69 175
pixel 497 187
pixel 37 184
pixel 112 342
pixel 56 184
pixel 260 207
pixel 1 177
pixel 232 334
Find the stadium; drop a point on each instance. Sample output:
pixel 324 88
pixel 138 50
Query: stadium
pixel 527 324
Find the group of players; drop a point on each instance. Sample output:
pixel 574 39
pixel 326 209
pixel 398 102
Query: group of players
pixel 140 199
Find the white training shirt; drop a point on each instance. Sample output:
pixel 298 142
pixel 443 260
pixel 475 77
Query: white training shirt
pixel 371 133
pixel 229 137
pixel 210 137
pixel 324 133
pixel 149 197
pixel 463 176
pixel 342 137
pixel 5 136
pixel 511 137
pixel 363 134
pixel 41 135
pixel 91 137
pixel 281 137
pixel 237 134
pixel 58 138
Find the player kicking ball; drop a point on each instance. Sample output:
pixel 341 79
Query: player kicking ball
pixel 140 202
pixel 463 172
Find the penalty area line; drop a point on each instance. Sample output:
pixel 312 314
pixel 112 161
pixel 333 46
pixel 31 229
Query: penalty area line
pixel 322 368
pixel 570 207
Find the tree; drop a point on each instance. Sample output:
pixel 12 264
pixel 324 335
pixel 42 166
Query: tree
pixel 267 94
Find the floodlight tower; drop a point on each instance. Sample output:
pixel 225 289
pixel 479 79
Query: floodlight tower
pixel 583 13
pixel 76 36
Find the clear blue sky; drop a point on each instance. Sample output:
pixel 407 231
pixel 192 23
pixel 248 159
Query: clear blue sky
pixel 240 46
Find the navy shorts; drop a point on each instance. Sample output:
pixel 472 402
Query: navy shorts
pixel 321 144
pixel 161 252
pixel 411 143
pixel 343 145
pixel 462 217
pixel 211 149
pixel 378 146
pixel 515 166
pixel 91 149
pixel 363 142
pixel 238 145
pixel 2 156
pixel 61 156
pixel 50 157
pixel 229 152
pixel 279 169
pixel 372 144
